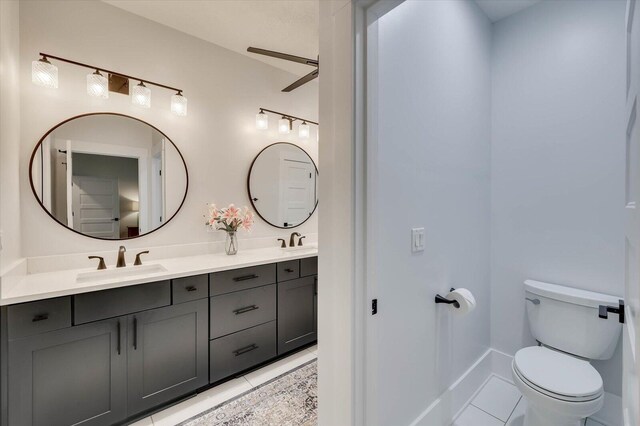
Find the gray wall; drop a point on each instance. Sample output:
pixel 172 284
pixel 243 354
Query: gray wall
pixel 433 171
pixel 557 159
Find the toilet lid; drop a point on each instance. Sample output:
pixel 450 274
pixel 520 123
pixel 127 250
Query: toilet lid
pixel 558 373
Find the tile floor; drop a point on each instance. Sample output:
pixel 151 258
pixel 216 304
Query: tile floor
pixel 216 396
pixel 499 403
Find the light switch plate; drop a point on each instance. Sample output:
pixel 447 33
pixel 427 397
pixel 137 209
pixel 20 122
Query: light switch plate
pixel 417 240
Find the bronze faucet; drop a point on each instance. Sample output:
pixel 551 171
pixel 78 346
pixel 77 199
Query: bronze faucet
pixel 138 261
pixel 101 265
pixel 121 262
pixel 292 239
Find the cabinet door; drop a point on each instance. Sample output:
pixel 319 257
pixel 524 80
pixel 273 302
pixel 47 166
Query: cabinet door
pixel 296 313
pixel 167 354
pixel 73 376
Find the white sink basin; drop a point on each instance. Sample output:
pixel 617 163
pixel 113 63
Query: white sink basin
pixel 118 273
pixel 300 248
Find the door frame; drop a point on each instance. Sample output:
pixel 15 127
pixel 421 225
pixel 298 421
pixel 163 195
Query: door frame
pixel 346 328
pixel 141 154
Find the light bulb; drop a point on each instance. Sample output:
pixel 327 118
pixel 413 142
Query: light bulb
pixel 303 130
pixel 97 85
pixel 262 121
pixel 179 104
pixel 141 96
pixel 44 73
pixel 284 126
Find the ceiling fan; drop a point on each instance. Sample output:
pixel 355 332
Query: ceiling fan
pixel 311 62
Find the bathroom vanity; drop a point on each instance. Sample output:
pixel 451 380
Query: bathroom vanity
pixel 111 351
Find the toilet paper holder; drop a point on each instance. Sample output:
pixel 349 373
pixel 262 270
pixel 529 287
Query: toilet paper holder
pixel 440 299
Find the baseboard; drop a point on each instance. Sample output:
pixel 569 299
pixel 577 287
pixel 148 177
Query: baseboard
pixel 609 415
pixel 446 407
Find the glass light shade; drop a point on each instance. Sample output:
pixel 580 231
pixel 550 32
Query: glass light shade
pixel 44 73
pixel 141 96
pixel 283 126
pixel 97 85
pixel 179 105
pixel 262 121
pixel 303 131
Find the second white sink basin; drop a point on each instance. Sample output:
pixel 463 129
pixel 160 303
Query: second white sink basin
pixel 115 273
pixel 312 246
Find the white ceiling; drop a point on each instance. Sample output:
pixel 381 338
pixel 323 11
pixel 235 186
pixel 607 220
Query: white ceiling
pixel 289 26
pixel 499 9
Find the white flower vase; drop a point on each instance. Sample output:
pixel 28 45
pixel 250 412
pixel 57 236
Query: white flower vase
pixel 231 243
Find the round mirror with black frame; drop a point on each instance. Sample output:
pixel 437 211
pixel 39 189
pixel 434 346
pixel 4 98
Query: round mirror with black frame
pixel 282 185
pixel 108 176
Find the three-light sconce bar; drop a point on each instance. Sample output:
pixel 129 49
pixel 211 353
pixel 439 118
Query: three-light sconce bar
pixel 44 73
pixel 285 124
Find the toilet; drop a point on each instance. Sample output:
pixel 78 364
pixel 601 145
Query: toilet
pixel 560 385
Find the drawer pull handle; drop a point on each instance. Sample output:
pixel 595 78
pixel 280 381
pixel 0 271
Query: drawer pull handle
pixel 246 349
pixel 245 278
pixel 41 317
pixel 246 309
pixel 289 270
pixel 190 288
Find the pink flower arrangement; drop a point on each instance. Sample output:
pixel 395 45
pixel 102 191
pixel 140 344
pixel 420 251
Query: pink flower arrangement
pixel 229 219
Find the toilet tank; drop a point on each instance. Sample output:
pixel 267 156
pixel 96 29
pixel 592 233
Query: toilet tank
pixel 567 319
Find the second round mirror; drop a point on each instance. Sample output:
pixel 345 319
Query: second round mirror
pixel 283 185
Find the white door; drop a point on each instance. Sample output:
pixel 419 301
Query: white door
pixel 297 190
pixel 631 336
pixel 96 206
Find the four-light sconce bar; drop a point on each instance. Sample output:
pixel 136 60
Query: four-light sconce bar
pixel 44 73
pixel 285 124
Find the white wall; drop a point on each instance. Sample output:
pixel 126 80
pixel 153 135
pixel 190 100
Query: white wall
pixel 433 169
pixel 9 133
pixel 557 159
pixel 218 138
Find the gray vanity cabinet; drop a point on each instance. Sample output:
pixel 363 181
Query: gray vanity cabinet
pixel 296 313
pixel 75 375
pixel 168 354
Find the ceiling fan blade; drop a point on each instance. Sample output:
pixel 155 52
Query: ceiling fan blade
pixel 307 78
pixel 285 56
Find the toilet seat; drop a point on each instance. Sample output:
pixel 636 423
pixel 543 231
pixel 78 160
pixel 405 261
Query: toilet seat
pixel 558 375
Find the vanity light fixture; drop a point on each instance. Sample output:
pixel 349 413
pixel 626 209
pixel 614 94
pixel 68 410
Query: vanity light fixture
pixel 303 130
pixel 97 85
pixel 179 104
pixel 262 121
pixel 141 95
pixel 285 124
pixel 44 73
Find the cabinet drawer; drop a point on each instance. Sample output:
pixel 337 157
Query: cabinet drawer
pixel 242 309
pixel 241 279
pixel 242 350
pixel 190 288
pixel 309 266
pixel 31 318
pixel 120 301
pixel 288 270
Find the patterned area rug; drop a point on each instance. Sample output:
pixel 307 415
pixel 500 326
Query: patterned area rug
pixel 290 399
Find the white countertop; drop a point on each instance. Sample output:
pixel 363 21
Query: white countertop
pixel 30 287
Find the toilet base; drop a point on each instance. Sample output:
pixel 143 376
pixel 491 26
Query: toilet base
pixel 535 417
